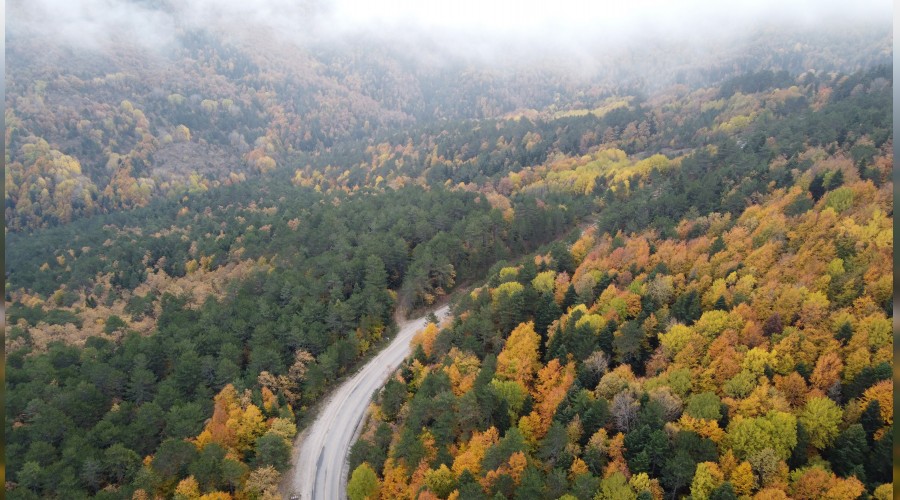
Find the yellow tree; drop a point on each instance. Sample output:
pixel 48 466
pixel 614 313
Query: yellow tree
pixel 425 338
pixel 247 425
pixel 471 455
pixel 707 477
pixel 742 479
pixel 394 484
pixel 519 358
pixel 187 489
pixel 883 392
pixel 552 384
pixel 217 429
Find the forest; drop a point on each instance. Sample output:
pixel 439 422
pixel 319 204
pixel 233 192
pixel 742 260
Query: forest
pixel 660 289
pixel 745 352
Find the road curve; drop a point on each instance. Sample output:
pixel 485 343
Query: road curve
pixel 320 459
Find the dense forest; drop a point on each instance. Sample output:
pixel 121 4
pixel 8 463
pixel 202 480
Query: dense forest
pixel 90 133
pixel 746 351
pixel 660 288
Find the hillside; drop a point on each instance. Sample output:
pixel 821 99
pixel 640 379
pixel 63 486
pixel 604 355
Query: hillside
pixel 745 355
pixel 101 129
pixel 743 350
pixel 663 255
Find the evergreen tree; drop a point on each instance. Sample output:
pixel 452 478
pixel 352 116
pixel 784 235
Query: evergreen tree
pixel 570 298
pixel 721 304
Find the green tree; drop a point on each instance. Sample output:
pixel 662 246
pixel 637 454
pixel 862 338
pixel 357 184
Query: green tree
pixel 113 324
pixel 531 484
pixel 441 481
pixel 508 305
pixel 363 483
pixel 724 492
pixel 776 430
pixel 570 298
pixel 142 381
pixel 392 398
pixel 678 471
pixel 272 449
pixel 615 487
pixel 207 468
pixel 172 458
pixel 849 451
pixel 704 405
pixel 871 420
pixel 120 464
pixel 547 312
pixel 821 417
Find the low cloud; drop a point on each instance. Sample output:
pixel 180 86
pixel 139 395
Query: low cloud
pixel 477 30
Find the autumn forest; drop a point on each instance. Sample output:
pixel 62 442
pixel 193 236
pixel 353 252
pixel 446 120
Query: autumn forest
pixel 668 279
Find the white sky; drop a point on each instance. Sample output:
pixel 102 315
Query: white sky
pixel 520 24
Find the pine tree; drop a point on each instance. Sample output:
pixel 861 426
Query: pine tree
pixel 721 304
pixel 570 298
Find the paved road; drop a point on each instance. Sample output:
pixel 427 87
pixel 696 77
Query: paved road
pixel 320 459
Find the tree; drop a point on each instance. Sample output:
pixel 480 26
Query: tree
pixel 820 417
pixel 687 307
pixel 187 489
pixel 207 468
pixel 508 305
pixel 615 487
pixel 817 186
pixel 392 398
pixel 849 451
pixel 766 466
pixel 871 420
pixel 704 405
pixel 441 481
pixel 721 304
pixel 518 360
pixel 883 393
pixel 363 483
pixel 678 471
pixel 547 312
pixel 773 325
pixel 707 478
pixel 724 492
pixel 800 455
pixel 570 298
pixel 173 456
pixel 113 324
pixel 630 345
pixel 184 421
pixel 562 258
pixel 32 476
pixel 776 430
pixel 553 444
pixel 263 483
pixel 272 450
pixel 142 381
pixel 742 479
pixel 120 463
pixel 531 485
pixel 624 410
pixel 552 385
pixel 827 371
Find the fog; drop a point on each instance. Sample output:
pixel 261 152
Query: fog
pixel 476 30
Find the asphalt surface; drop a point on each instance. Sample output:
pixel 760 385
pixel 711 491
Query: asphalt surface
pixel 320 460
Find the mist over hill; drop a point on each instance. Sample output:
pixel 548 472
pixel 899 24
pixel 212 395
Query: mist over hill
pixel 664 230
pixel 122 102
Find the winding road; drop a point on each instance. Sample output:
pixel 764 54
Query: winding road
pixel 320 456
